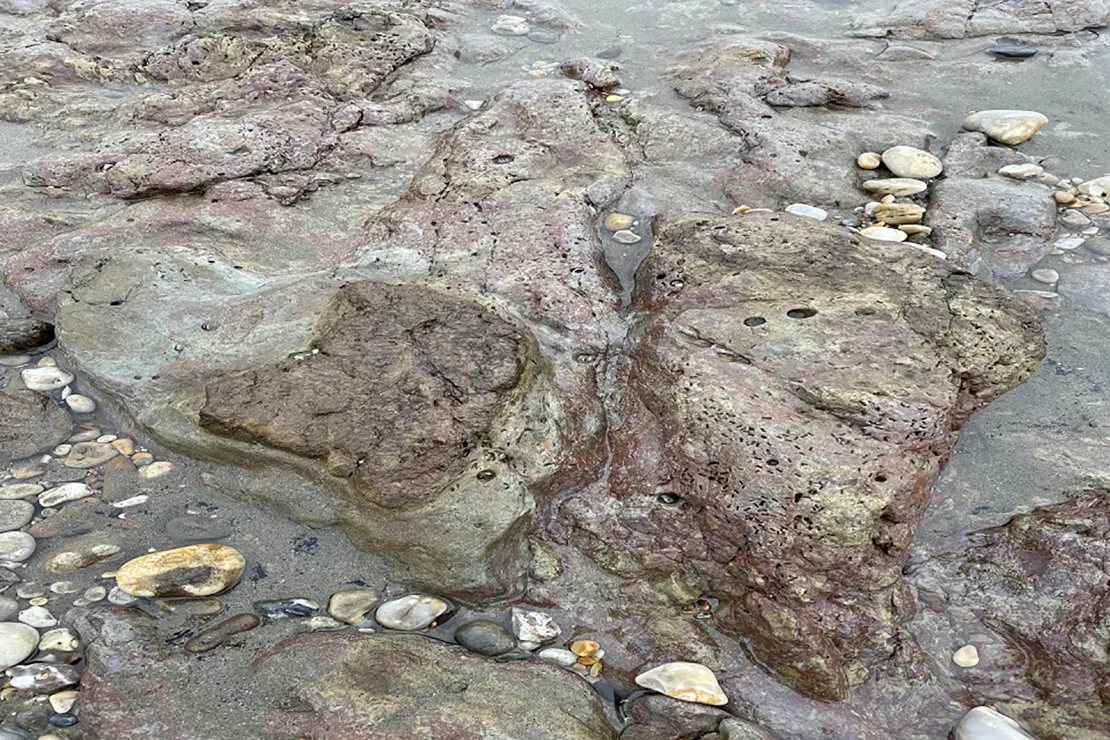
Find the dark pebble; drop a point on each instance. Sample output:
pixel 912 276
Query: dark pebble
pixel 1098 245
pixel 217 635
pixel 485 637
pixel 62 720
pixel 1011 49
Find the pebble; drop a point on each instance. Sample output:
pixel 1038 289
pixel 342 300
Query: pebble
pixel 142 498
pixel 62 720
pixel 1009 127
pixel 25 469
pixel 584 648
pixel 968 655
pixel 155 470
pixel 15 513
pixel 29 590
pixel 624 236
pixel 124 446
pixel 119 597
pixel 190 528
pixel 543 37
pixel 86 436
pixel 1094 209
pixel 218 634
pixel 485 637
pixel 1046 276
pixel 354 605
pixel 1021 171
pixel 95 593
pixel 869 161
pixel 618 221
pixel 14 733
pixel 882 233
pixel 912 229
pixel 899 213
pixel 46 378
pixel 63 701
pixel 691 682
pixel 1100 246
pixel 43 678
pixel 89 454
pixel 1069 243
pixel 69 561
pixel 19 490
pixel 62 640
pixel 473 104
pixel 1098 187
pixel 801 209
pixel 64 587
pixel 322 623
pixel 79 404
pixel 8 607
pixel 142 458
pixel 195 570
pixel 985 723
pixel 17 642
pixel 413 612
pixel 37 616
pixel 511 25
pixel 16 546
pixel 533 628
pixel 62 494
pixel 15 360
pixel 286 609
pixel 61 450
pixel 560 656
pixel 1074 218
pixel 911 162
pixel 897 186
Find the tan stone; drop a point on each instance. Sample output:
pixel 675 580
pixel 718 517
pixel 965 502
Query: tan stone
pixel 869 161
pixel 196 570
pixel 618 221
pixel 899 213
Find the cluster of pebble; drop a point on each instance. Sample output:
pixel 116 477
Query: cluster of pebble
pixel 1082 213
pixel 515 25
pixel 622 228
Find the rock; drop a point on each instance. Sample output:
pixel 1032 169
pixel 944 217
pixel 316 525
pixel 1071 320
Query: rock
pixel 155 470
pixel 657 717
pixel 80 555
pixel 899 213
pixel 321 623
pixel 1046 276
pixel 559 656
pixel 354 605
pixel 896 186
pixel 15 514
pixel 1075 219
pixel 1009 127
pixel 1098 187
pixel 19 490
pixel 48 378
pixel 584 648
pixel 1021 171
pixel 8 608
pixel 597 73
pixel 824 91
pixel 63 701
pixel 37 616
pixel 413 612
pixel 966 657
pixel 89 454
pixel 79 404
pixel 985 723
pixel 869 161
pixel 485 637
pixel 543 37
pixel 286 609
pixel 801 209
pixel 691 682
pixel 43 678
pixel 533 628
pixel 1099 245
pixel 738 729
pixel 61 640
pixel 618 221
pixel 16 546
pixel 190 528
pixel 216 635
pixel 510 25
pixel 624 236
pixel 883 234
pixel 19 335
pixel 63 493
pixel 32 423
pixel 912 163
pixel 18 642
pixel 195 570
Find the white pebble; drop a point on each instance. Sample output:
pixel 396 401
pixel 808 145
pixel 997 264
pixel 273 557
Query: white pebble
pixel 64 493
pixel 1046 276
pixel 155 470
pixel 79 404
pixel 801 209
pixel 46 378
pixel 36 616
pixel 966 657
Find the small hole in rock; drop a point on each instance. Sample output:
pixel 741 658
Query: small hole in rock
pixel 755 321
pixel 486 475
pixel 880 478
pixel 801 313
pixel 865 311
pixel 667 498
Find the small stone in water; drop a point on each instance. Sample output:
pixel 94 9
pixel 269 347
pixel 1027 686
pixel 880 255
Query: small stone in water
pixel 984 723
pixel 95 593
pixel 16 546
pixel 89 454
pixel 286 609
pixel 79 404
pixel 46 378
pixel 19 490
pixel 884 234
pixel 119 597
pixel 966 657
pixel 534 628
pixel 584 648
pixel 869 161
pixel 511 25
pixel 618 221
pixel 1046 276
pixel 37 616
pixel 17 642
pixel 124 446
pixel 1074 218
pixel 485 637
pixel 154 470
pixel 801 209
pixel 564 658
pixel 64 493
pixel 1069 243
pixel 62 450
pixel 321 623
pixel 62 720
pixel 87 435
pixel 624 236
pixel 15 513
pixel 196 570
pixel 1021 171
pixel 543 37
pixel 691 682
pixel 353 605
pixel 8 607
pixel 218 634
pixel 413 612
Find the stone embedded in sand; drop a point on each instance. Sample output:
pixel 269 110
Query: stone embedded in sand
pixel 63 493
pixel 1021 171
pixel 896 186
pixel 353 605
pixel 618 221
pixel 89 454
pixel 626 236
pixel 412 612
pixel 16 546
pixel 966 657
pixel 1006 126
pixel 908 161
pixel 869 161
pixel 17 642
pixel 485 637
pixel 43 678
pixel 196 570
pixel 691 682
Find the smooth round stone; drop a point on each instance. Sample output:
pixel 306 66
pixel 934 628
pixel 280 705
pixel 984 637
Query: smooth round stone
pixel 911 162
pixel 1009 127
pixel 1098 187
pixel 95 593
pixel 37 616
pixel 896 186
pixel 801 209
pixel 1099 246
pixel 485 637
pixel 1021 171
pixel 1063 197
pixel 120 598
pixel 62 720
pixel 618 221
pixel 19 490
pixel 218 634
pixel 413 612
pixel 1046 276
pixel 46 378
pixel 155 470
pixel 1070 243
pixel 13 733
pixel 1074 218
pixel 8 607
pixel 511 25
pixel 883 234
pixel 14 514
pixel 985 723
pixel 912 229
pixel 89 454
pixel 196 570
pixel 691 682
pixel 15 360
pixel 966 657
pixel 79 404
pixel 543 37
pixel 62 494
pixel 353 605
pixel 191 528
pixel 624 236
pixel 869 161
pixel 286 609
pixel 17 642
pixel 322 623
pixel 559 656
pixel 43 678
pixel 61 450
pixel 88 435
pixel 63 701
pixel 16 546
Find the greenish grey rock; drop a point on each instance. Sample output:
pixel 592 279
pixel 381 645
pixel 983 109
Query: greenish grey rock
pixel 485 637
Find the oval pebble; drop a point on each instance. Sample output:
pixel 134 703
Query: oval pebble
pixel 79 404
pixel 218 634
pixel 63 493
pixel 19 490
pixel 560 656
pixel 624 236
pixel 17 642
pixel 485 637
pixel 802 209
pixel 195 570
pixel 966 657
pixel 46 378
pixel 353 605
pixel 908 161
pixel 1046 276
pixel 883 234
pixel 896 186
pixel 16 546
pixel 413 612
pixel 869 161
pixel 37 616
pixel 15 513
